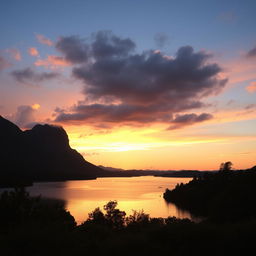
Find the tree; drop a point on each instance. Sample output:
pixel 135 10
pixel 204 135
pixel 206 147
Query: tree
pixel 138 218
pixel 114 217
pixel 97 216
pixel 227 166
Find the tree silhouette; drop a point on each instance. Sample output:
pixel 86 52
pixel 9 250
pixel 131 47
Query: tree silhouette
pixel 97 217
pixel 114 217
pixel 227 166
pixel 138 218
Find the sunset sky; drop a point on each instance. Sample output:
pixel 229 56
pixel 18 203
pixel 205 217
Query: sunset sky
pixel 136 84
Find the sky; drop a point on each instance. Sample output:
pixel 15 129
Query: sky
pixel 165 85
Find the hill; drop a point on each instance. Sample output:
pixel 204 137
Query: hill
pixel 40 154
pixel 223 196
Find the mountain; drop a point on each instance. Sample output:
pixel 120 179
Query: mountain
pixel 40 154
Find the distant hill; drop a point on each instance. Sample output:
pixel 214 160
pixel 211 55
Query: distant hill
pixel 40 154
pixel 118 172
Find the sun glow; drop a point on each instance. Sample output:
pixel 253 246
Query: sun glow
pixel 35 106
pixel 157 148
pixel 126 140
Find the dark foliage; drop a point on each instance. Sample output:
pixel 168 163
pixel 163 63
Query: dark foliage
pixel 34 226
pixel 17 208
pixel 223 196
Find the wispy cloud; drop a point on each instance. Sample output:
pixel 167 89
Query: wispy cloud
pixel 251 88
pixel 251 53
pixel 28 75
pixel 33 51
pixel 44 40
pixel 188 119
pixel 25 115
pixel 15 53
pixel 251 106
pixel 228 17
pixel 4 63
pixel 52 61
pixel 161 39
pixel 239 70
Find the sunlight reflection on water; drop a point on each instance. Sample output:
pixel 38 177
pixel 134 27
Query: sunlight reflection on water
pixel 132 193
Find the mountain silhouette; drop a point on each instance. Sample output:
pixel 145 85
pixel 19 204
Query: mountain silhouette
pixel 40 154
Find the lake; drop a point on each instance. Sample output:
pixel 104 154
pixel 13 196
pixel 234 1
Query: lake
pixel 131 193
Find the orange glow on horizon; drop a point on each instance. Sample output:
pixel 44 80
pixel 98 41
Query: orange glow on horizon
pixel 156 148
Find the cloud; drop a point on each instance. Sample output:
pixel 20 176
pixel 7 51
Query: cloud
pixel 149 77
pixel 161 39
pixel 231 102
pixel 33 51
pixel 25 115
pixel 121 113
pixel 250 106
pixel 104 45
pixel 28 75
pixel 107 45
pixel 90 154
pixel 251 53
pixel 122 86
pixel 188 119
pixel 112 113
pixel 228 17
pixel 251 88
pixel 239 70
pixel 74 49
pixel 4 63
pixel 43 40
pixel 52 61
pixel 15 53
pixel 36 106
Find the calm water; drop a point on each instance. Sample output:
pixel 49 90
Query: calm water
pixel 133 193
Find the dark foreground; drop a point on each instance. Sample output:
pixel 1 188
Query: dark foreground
pixel 36 226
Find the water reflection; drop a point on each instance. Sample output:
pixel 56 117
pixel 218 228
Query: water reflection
pixel 133 193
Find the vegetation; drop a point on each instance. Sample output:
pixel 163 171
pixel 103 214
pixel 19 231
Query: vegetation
pixel 37 226
pixel 223 196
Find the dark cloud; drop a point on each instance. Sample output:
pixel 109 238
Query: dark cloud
pixel 124 86
pixel 251 53
pixel 29 75
pixel 161 39
pixel 4 63
pixel 74 49
pixel 122 113
pixel 114 113
pixel 107 45
pixel 151 76
pixel 188 119
pixel 104 44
